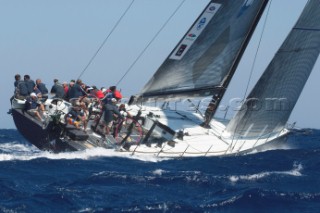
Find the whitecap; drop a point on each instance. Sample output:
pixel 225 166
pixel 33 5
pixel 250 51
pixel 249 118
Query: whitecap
pixel 158 172
pixel 16 147
pixel 296 171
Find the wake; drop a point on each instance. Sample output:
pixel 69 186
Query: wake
pixel 22 152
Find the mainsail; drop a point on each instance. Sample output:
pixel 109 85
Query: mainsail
pixel 269 105
pixel 209 52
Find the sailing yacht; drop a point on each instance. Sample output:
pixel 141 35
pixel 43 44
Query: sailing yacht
pixel 201 65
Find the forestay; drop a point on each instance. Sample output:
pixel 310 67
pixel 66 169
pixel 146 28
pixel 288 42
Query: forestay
pixel 268 107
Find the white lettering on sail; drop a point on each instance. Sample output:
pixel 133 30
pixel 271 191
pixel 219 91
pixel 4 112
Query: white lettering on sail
pixel 195 31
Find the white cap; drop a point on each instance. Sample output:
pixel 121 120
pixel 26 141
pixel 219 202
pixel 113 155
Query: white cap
pixel 33 94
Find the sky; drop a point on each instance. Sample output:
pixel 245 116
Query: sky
pixel 57 39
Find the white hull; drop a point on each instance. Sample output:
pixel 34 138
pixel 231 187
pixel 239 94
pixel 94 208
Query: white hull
pixel 197 141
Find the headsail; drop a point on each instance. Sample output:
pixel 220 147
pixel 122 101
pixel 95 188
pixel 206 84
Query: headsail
pixel 271 101
pixel 209 51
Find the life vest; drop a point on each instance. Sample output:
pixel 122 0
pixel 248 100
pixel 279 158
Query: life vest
pixel 117 94
pixel 99 94
pixel 72 121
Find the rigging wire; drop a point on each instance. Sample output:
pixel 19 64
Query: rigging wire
pixel 143 51
pixel 256 54
pixel 105 40
pixel 252 69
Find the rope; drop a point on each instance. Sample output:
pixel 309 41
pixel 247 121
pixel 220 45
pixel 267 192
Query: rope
pixel 143 51
pixel 256 54
pixel 105 40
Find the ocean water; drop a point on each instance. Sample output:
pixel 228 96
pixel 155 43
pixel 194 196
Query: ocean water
pixel 278 180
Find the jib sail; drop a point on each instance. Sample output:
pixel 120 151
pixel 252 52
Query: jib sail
pixel 270 103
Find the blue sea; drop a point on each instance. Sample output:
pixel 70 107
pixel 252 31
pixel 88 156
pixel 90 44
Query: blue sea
pixel 277 180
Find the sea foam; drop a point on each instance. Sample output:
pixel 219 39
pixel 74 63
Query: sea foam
pixel 296 171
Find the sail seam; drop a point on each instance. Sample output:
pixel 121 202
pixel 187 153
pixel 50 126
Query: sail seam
pixel 306 29
pixel 297 50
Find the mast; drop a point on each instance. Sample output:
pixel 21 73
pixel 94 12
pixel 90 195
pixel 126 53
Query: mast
pixel 216 98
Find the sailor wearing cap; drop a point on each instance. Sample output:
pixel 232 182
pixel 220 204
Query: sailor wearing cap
pixel 33 106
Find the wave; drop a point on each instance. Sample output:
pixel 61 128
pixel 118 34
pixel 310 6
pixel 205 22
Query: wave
pixel 23 152
pixel 296 171
pixel 251 197
pixel 159 172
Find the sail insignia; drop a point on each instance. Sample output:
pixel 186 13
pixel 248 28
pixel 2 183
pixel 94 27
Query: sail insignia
pixel 208 52
pixel 195 32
